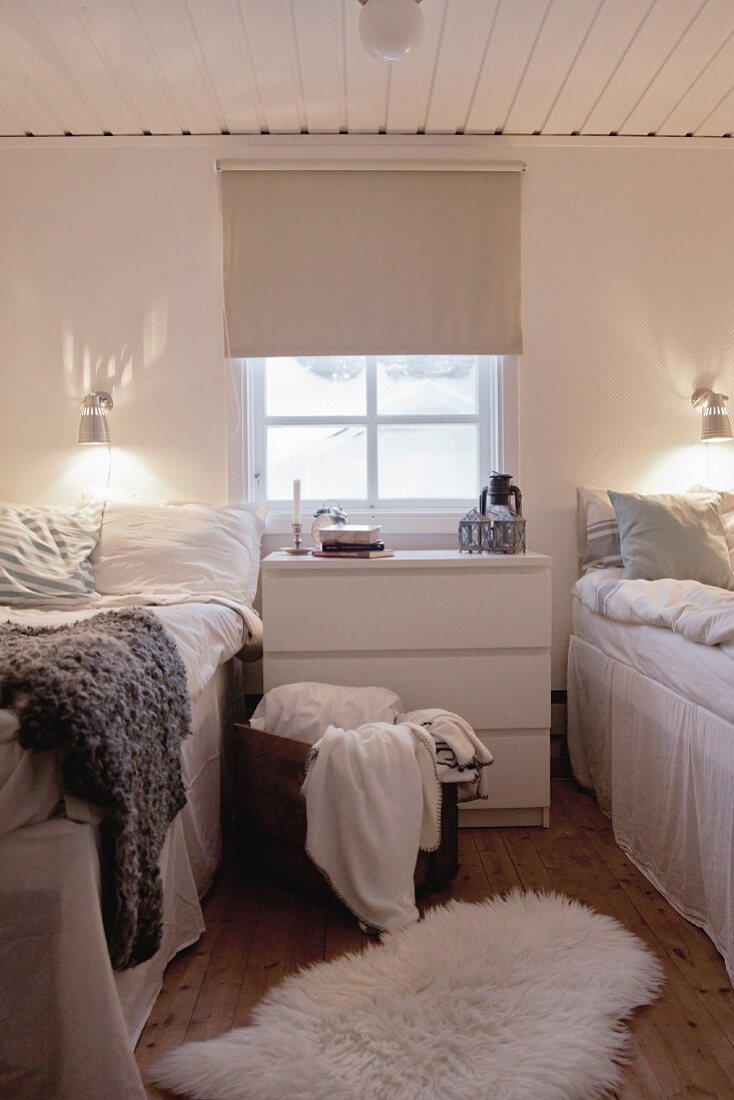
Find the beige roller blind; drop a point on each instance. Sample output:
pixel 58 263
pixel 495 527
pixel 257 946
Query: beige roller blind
pixel 372 262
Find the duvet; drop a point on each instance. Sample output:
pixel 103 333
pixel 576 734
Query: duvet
pixel 69 1023
pixel 699 612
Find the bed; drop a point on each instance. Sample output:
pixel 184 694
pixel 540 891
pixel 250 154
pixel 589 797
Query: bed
pixel 651 732
pixel 68 1021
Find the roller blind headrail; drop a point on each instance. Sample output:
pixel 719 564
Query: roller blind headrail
pixel 354 164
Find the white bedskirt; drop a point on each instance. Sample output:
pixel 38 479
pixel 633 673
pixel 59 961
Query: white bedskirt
pixel 68 1023
pixel 662 768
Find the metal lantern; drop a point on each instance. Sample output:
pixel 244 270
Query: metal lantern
pixel 475 533
pixel 508 531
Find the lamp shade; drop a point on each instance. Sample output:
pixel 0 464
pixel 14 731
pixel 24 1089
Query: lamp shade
pixel 93 424
pixel 715 423
pixel 390 29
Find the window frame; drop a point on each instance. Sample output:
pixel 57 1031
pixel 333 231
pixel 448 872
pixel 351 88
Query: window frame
pixel 496 418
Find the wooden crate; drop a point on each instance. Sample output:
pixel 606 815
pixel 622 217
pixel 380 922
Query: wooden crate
pixel 270 815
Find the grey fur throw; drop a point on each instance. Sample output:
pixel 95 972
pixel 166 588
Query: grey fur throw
pixel 109 692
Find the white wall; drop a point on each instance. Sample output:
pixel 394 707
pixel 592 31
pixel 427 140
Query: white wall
pixel 109 265
pixel 628 284
pixel 110 279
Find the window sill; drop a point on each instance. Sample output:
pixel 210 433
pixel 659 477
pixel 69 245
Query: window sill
pixel 426 521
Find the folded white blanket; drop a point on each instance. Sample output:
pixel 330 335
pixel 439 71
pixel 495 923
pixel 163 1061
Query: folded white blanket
pixel 700 612
pixel 471 755
pixel 373 799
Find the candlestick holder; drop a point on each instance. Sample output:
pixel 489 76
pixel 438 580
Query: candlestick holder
pixel 296 548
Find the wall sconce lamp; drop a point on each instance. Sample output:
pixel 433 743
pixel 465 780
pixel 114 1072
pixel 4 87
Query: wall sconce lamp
pixel 715 425
pixel 93 424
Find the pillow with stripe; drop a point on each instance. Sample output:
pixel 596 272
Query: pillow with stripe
pixel 598 531
pixel 44 552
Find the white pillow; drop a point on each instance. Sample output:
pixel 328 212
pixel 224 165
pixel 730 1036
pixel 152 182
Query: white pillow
pixel 179 549
pixel 304 711
pixel 726 507
pixel 598 532
pixel 673 535
pixel 44 553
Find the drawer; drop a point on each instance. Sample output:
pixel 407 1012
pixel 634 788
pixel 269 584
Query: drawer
pixel 520 775
pixel 404 610
pixel 491 690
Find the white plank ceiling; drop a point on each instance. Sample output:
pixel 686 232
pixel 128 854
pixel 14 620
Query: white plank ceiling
pixel 646 67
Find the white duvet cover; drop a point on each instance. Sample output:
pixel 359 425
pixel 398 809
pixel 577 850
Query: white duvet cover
pixel 699 612
pixel 662 768
pixel 68 1022
pixel 651 730
pixel 207 635
pixel 702 673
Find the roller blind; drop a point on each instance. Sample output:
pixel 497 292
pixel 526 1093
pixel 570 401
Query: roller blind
pixel 372 262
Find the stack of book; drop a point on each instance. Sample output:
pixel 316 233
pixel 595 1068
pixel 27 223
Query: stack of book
pixel 352 540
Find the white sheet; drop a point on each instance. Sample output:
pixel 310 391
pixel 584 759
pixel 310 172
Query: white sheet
pixel 195 846
pixel 207 635
pixel 663 768
pixel 699 612
pixel 207 631
pixel 68 1024
pixel 704 674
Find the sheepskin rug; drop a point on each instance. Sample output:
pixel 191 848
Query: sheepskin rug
pixel 510 999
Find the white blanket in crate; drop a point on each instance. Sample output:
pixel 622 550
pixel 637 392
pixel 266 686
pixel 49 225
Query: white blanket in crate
pixel 373 799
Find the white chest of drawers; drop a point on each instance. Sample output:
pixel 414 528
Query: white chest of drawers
pixel 469 633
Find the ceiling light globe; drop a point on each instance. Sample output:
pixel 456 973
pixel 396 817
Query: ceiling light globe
pixel 390 29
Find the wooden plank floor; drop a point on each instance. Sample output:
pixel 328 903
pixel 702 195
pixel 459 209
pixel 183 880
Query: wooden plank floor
pixel 682 1046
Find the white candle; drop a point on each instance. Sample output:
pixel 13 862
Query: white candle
pixel 296 500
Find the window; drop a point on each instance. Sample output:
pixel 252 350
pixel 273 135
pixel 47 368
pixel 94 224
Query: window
pixel 393 433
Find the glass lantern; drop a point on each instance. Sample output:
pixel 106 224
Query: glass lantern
pixel 508 534
pixel 475 533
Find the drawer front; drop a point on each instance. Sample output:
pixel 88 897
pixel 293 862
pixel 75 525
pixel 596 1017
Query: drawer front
pixel 490 690
pixel 520 775
pixel 434 609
